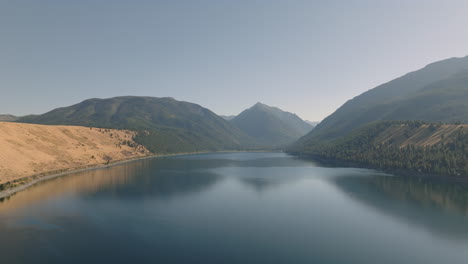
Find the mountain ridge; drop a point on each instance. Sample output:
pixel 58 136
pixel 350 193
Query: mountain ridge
pixel 379 102
pixel 165 125
pixel 8 118
pixel 417 146
pixel 270 126
pixel 429 100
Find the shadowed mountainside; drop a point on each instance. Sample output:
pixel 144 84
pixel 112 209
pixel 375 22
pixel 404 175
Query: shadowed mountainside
pixel 438 93
pixel 400 124
pixel 271 127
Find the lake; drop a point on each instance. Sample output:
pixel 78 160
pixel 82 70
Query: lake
pixel 235 208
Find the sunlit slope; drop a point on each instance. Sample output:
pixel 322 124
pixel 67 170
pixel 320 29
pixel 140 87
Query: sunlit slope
pixel 28 149
pixel 164 124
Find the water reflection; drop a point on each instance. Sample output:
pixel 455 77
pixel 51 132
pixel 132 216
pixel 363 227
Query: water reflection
pixel 162 178
pixel 254 160
pixel 164 185
pixel 76 183
pixel 207 209
pixel 138 178
pixel 262 180
pixel 439 206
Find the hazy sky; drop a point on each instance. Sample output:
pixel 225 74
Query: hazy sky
pixel 307 57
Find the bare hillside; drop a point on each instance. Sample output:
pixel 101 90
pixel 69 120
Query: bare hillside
pixel 403 135
pixel 28 150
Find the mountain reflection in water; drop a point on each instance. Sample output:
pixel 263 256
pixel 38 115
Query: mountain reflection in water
pixel 235 208
pixel 439 206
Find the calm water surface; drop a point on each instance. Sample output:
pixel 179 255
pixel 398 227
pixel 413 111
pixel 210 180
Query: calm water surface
pixel 235 208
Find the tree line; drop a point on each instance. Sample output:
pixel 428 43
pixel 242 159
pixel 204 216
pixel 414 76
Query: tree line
pixel 447 157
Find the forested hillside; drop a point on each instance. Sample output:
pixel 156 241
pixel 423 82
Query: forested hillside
pixel 164 125
pixel 411 145
pixel 438 93
pixel 367 129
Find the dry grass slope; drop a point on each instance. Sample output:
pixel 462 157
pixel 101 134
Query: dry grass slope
pixel 28 150
pixel 426 135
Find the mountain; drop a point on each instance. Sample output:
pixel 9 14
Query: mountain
pixel 438 92
pixel 312 123
pixel 356 132
pixel 8 118
pixel 270 126
pixel 410 145
pixel 164 125
pixel 228 118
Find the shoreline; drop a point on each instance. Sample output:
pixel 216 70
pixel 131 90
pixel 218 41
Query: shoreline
pixel 30 181
pixel 394 171
pixel 45 176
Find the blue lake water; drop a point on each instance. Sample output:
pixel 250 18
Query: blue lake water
pixel 235 208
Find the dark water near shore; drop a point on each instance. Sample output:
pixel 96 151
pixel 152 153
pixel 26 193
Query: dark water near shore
pixel 235 208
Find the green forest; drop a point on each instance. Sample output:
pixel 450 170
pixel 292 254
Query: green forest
pixel 449 156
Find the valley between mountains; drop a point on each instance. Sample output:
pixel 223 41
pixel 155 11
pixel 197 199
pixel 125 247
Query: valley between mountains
pixel 417 123
pixel 104 131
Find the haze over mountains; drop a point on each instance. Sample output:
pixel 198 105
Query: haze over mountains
pixel 312 123
pixel 166 125
pixel 438 92
pixel 356 131
pixel 8 118
pixel 270 126
pixel 228 118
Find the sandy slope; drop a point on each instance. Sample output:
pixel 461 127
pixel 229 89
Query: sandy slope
pixel 27 149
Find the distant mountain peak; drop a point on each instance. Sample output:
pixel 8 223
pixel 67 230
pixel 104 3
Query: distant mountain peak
pixel 265 107
pixel 260 106
pixel 271 126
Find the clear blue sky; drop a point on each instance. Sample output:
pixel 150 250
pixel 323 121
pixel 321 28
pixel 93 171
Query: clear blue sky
pixel 306 57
